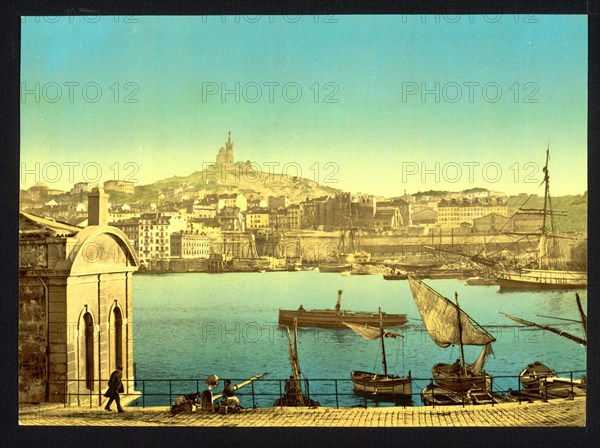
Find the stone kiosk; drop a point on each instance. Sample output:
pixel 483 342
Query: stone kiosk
pixel 75 307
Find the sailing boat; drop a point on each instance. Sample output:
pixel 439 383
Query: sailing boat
pixel 293 388
pixel 447 324
pixel 550 271
pixel 375 383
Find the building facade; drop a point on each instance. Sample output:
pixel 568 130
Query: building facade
pixel 258 218
pixel 190 245
pixel 75 309
pixel 456 212
pixel 123 186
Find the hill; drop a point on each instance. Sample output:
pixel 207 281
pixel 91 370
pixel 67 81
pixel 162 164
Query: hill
pixel 575 208
pixel 207 181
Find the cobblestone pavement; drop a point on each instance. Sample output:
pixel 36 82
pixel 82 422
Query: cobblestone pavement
pixel 551 414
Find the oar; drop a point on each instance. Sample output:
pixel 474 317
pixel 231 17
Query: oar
pixel 242 384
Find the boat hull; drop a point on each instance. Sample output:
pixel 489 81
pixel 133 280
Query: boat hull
pixel 540 279
pixel 433 395
pixel 395 277
pixel 458 382
pixel 532 375
pixel 384 385
pixel 479 281
pixel 334 319
pixel 542 381
pixel 335 268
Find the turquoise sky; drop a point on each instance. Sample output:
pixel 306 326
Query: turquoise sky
pixel 506 87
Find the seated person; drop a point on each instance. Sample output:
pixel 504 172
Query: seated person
pixel 456 366
pixel 229 399
pixel 185 403
pixel 291 386
pixel 227 388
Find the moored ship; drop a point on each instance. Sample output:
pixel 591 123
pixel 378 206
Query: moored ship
pixel 335 318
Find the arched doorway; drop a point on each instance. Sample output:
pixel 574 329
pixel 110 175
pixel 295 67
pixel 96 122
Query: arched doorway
pixel 118 335
pixel 89 350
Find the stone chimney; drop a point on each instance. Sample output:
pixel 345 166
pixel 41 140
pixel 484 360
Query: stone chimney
pixel 97 207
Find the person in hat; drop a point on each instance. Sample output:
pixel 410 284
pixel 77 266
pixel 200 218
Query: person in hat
pixel 115 385
pixel 207 395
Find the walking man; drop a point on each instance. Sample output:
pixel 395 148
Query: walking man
pixel 115 386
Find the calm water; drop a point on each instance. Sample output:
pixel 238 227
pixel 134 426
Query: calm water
pixel 188 326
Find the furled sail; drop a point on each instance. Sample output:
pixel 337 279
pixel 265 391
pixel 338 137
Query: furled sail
pixel 570 336
pixel 371 333
pixel 441 318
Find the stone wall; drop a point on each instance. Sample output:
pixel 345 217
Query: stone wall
pixel 33 342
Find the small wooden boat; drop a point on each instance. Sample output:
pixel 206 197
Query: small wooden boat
pixel 563 387
pixel 335 267
pixel 482 396
pixel 434 395
pixel 396 275
pixel 335 318
pixel 376 383
pixel 532 375
pixel 448 377
pixel 481 281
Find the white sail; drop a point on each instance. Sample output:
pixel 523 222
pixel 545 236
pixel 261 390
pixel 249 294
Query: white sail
pixel 440 317
pixel 371 333
pixel 477 366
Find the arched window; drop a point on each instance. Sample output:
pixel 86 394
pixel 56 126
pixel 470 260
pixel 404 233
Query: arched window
pixel 89 350
pixel 118 336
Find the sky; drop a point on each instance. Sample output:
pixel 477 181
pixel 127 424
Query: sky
pixel 372 104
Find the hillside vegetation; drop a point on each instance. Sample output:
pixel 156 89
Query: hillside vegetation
pixel 575 210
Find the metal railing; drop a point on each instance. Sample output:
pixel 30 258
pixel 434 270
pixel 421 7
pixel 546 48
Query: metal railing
pixel 331 392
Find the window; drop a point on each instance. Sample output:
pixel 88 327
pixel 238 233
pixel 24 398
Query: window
pixel 118 347
pixel 89 350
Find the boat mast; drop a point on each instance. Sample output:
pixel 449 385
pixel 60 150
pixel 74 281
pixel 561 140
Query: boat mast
pixel 462 350
pixel 546 181
pixel 383 360
pixel 547 189
pixel 582 314
pixel 294 362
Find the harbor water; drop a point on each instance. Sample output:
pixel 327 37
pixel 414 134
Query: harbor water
pixel 189 326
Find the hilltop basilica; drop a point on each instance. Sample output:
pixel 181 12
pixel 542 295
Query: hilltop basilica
pixel 225 158
pixel 225 155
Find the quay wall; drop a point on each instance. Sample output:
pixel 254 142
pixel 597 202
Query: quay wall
pixel 318 246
